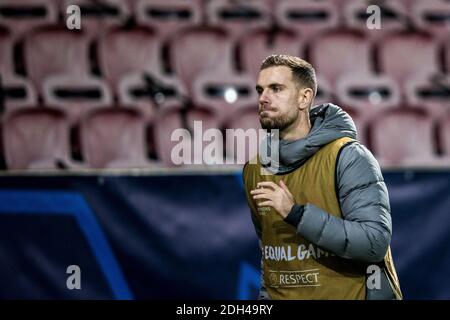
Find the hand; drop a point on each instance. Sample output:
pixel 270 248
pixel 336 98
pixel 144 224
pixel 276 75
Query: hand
pixel 277 196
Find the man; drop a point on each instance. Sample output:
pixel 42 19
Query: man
pixel 322 211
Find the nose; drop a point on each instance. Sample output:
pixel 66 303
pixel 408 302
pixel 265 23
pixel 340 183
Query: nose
pixel 263 98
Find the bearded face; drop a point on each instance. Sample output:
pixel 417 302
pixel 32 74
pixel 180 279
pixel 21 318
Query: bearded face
pixel 275 119
pixel 278 98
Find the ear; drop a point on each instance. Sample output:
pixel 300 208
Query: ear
pixel 305 98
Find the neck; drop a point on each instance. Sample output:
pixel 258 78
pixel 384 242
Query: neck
pixel 299 129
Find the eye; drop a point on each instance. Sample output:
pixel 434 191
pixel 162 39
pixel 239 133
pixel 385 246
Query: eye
pixel 259 91
pixel 276 89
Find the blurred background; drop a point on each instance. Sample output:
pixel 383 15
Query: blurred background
pixel 87 117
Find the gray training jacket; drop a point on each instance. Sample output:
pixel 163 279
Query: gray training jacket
pixel 364 233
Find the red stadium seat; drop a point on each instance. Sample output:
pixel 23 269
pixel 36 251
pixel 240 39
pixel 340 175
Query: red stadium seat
pixel 430 93
pixel 67 52
pixel 14 90
pixel 76 94
pixel 361 123
pixel 307 18
pixel 444 135
pixel 432 16
pixel 168 16
pixel 254 47
pixel 403 56
pixel 114 138
pixel 148 92
pixel 6 53
pixel 238 17
pixel 403 138
pixel 22 16
pixel 368 93
pixel 122 52
pixel 393 14
pixel 100 16
pixel 212 149
pixel 35 138
pixel 17 92
pixel 225 94
pixel 168 120
pixel 447 57
pixel 338 53
pixel 237 149
pixel 324 92
pixel 189 57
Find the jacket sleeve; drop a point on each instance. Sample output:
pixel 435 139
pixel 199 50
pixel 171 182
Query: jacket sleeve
pixel 365 231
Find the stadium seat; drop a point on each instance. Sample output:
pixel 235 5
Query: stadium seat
pixel 432 16
pixel 307 18
pixel 324 92
pixel 16 92
pixel 22 16
pixel 237 148
pixel 361 123
pixel 238 17
pixel 122 52
pixel 76 94
pixel 36 138
pixel 168 120
pixel 368 93
pixel 212 151
pixel 338 53
pixel 447 57
pixel 6 53
pixel 225 94
pixel 189 58
pixel 114 138
pixel 444 135
pixel 403 138
pixel 67 52
pixel 256 46
pixel 100 16
pixel 393 17
pixel 149 92
pixel 168 16
pixel 431 93
pixel 403 56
